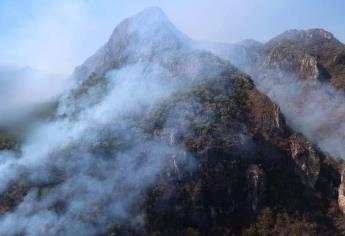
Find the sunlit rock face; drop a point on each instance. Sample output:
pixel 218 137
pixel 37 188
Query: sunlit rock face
pixel 313 53
pixel 158 137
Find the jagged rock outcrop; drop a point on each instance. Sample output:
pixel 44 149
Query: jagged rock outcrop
pixel 257 185
pixel 306 158
pixel 311 53
pixel 283 59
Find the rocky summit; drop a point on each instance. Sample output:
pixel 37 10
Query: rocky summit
pixel 313 53
pixel 158 136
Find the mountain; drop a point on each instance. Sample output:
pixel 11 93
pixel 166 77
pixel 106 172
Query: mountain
pixel 313 53
pixel 146 38
pixel 159 137
pixel 302 71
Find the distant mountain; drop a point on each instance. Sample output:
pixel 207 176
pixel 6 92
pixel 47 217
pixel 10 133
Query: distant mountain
pixel 159 137
pixel 313 53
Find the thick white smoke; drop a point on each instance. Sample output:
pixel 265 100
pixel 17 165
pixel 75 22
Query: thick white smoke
pixel 315 109
pixel 88 185
pixel 24 90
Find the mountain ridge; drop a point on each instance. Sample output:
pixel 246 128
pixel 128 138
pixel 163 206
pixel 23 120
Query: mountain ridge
pixel 178 142
pixel 314 53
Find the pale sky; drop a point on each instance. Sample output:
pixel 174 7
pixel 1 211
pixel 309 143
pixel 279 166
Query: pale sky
pixel 57 35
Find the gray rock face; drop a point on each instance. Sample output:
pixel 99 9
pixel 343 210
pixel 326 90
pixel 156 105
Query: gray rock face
pixel 257 187
pixel 307 160
pixel 341 192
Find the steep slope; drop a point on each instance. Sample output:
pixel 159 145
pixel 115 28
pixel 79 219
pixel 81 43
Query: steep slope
pixel 249 160
pixel 141 37
pixel 229 129
pixel 301 70
pixel 146 38
pixel 158 137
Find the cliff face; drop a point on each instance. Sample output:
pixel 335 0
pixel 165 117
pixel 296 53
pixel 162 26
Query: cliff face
pixel 320 44
pixel 227 159
pixel 314 53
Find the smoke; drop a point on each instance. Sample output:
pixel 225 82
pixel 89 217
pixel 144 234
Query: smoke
pixel 315 109
pixel 23 90
pixel 90 166
pixel 87 172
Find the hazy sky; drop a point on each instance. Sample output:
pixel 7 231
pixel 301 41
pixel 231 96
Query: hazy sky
pixel 57 35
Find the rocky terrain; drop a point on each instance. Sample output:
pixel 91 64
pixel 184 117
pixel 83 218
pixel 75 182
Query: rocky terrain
pixel 313 53
pixel 159 137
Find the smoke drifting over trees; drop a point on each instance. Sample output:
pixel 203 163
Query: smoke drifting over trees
pixel 153 133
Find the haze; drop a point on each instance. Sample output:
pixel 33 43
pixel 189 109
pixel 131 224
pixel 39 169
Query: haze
pixel 55 36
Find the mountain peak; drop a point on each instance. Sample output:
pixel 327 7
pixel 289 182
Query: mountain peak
pixel 146 35
pixel 149 21
pixel 309 33
pixel 152 17
pixel 151 12
pixel 305 37
pixel 149 30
